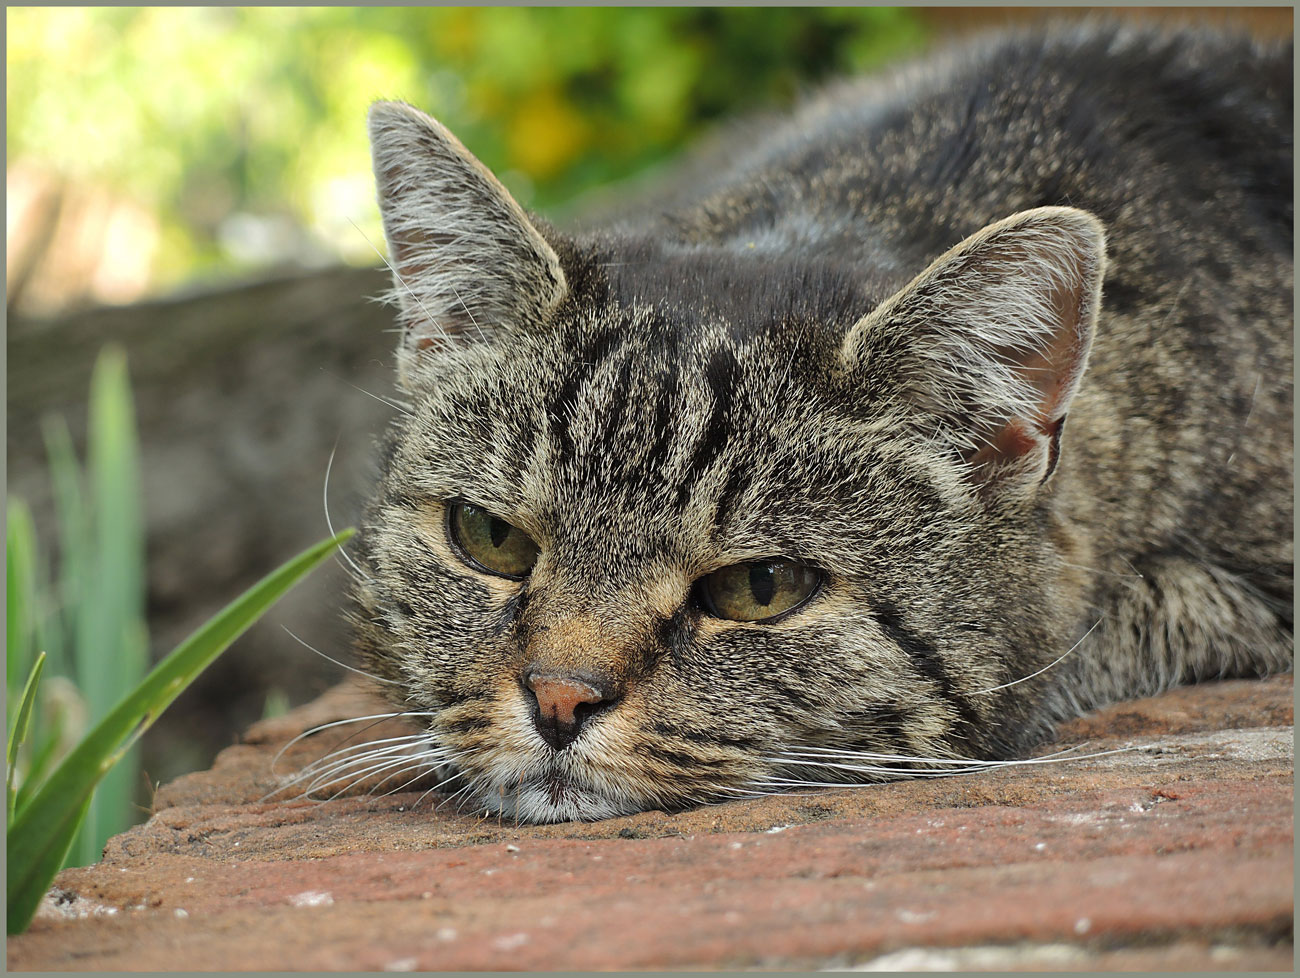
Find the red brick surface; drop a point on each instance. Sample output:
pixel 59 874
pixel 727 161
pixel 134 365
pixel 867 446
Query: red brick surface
pixel 1176 855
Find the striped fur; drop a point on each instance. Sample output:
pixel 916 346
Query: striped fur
pixel 857 348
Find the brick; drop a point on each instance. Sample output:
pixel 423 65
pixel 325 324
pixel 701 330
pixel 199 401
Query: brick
pixel 1175 854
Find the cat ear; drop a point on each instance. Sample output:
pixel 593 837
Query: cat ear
pixel 993 339
pixel 466 260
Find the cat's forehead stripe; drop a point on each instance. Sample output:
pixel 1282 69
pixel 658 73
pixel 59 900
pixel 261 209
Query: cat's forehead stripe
pixel 643 410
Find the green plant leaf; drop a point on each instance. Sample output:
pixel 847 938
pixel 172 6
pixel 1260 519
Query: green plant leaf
pixel 39 761
pixel 58 724
pixel 18 733
pixel 42 831
pixel 20 592
pixel 111 652
pixel 69 507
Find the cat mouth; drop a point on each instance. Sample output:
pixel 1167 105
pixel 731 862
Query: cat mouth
pixel 552 794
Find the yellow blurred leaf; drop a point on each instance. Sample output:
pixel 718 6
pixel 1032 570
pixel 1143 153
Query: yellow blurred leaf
pixel 546 134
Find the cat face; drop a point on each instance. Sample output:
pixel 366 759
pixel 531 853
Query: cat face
pixel 630 553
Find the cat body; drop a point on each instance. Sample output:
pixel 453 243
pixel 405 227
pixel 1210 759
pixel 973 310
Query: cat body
pixel 977 376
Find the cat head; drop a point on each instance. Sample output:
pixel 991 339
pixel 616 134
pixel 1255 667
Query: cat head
pixel 661 519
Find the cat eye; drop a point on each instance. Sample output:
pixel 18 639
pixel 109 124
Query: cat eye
pixel 761 591
pixel 489 543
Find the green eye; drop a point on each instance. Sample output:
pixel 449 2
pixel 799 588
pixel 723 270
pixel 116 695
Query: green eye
pixel 490 543
pixel 761 591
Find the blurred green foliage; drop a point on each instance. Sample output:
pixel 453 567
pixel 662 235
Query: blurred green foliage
pixel 199 114
pixel 84 611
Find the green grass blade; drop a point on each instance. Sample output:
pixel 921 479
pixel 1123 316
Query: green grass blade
pixel 38 763
pixel 20 594
pixel 110 653
pixel 48 822
pixel 276 704
pixel 58 724
pixel 69 506
pixel 19 732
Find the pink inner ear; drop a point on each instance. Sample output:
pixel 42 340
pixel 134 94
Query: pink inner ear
pixel 1014 441
pixel 1054 372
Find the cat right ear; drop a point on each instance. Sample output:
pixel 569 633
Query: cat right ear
pixel 466 261
pixel 992 341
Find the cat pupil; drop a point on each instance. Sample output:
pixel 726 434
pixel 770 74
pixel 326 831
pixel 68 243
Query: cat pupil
pixel 762 582
pixel 498 530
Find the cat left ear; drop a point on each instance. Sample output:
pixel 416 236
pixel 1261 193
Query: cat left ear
pixel 466 260
pixel 993 339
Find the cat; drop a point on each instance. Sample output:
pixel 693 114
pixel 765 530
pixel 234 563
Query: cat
pixel 774 485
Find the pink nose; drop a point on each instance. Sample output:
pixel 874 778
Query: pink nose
pixel 564 704
pixel 558 699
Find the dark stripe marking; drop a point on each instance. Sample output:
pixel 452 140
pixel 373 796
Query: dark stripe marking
pixel 722 374
pixel 928 662
pixel 587 361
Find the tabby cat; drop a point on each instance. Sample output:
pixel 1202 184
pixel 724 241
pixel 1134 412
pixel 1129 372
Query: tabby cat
pixel 774 484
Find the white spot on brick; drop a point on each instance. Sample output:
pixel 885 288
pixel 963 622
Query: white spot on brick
pixel 66 905
pixel 1221 952
pixel 1023 957
pixel 402 964
pixel 509 942
pixel 311 898
pixel 915 917
pixel 1082 925
pixel 180 914
pixel 446 934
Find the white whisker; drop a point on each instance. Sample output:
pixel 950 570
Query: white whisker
pixel 809 758
pixel 376 718
pixel 1098 570
pixel 343 553
pixel 448 780
pixel 359 672
pixel 361 753
pixel 1015 682
pixel 400 765
pixel 387 402
pixel 481 334
pixel 398 755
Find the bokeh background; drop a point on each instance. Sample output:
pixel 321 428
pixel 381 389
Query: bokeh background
pixel 155 148
pixel 194 184
pixel 150 148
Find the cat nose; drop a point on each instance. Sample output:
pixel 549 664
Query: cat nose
pixel 564 703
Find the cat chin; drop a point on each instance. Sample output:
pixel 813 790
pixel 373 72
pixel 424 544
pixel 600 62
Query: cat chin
pixel 555 800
